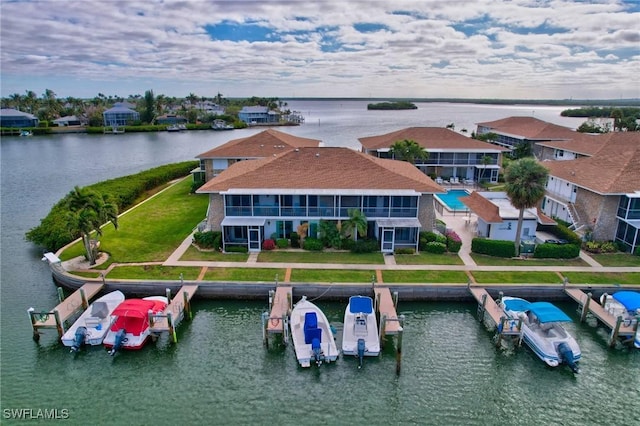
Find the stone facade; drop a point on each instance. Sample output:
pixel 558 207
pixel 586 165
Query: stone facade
pixel 426 212
pixel 216 212
pixel 600 211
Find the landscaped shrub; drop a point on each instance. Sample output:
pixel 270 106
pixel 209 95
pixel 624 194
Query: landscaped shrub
pixel 600 247
pixel 498 248
pixel 556 251
pixel 207 239
pixel 428 236
pixel 312 244
pixel 564 233
pixel 365 246
pixel 282 243
pixel 295 239
pixel 268 244
pixel 237 249
pixel 406 250
pixel 453 242
pixel 435 247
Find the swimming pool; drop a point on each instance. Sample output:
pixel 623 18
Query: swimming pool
pixel 450 200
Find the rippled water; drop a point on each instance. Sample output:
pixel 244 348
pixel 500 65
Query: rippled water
pixel 220 373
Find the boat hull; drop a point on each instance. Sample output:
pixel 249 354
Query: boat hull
pixel 360 323
pixel 138 320
pixel 304 351
pixel 96 319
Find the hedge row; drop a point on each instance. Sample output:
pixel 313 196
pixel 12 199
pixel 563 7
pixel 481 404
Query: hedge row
pixel 498 248
pixel 557 251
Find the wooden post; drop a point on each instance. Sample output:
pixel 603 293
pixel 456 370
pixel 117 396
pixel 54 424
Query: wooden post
pixel 85 303
pixel 500 328
pixel 285 330
pixel 172 328
pixel 187 305
pixel 585 308
pixel 377 302
pixel 271 296
pixel 395 299
pixel 56 315
pixel 60 294
pixel 150 317
pixel 36 335
pixel 290 302
pixel 383 323
pixel 615 331
pixel 399 348
pixel 264 318
pixel 167 293
pixel 481 307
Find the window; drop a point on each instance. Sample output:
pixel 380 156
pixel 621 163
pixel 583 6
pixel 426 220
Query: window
pixel 238 205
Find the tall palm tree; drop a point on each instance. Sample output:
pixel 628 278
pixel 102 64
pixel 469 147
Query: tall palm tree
pixel 355 226
pixel 408 150
pixel 525 181
pixel 88 211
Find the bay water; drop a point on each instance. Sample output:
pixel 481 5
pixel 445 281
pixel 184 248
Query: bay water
pixel 220 372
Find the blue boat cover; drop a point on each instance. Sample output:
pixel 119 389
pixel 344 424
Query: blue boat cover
pixel 547 312
pixel 311 334
pixel 359 304
pixel 518 305
pixel 310 320
pixel 630 299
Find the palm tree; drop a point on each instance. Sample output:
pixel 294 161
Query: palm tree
pixel 408 150
pixel 88 211
pixel 525 181
pixel 485 160
pixel 355 226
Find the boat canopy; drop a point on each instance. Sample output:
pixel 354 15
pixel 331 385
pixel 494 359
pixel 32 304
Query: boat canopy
pixel 359 304
pixel 629 299
pixel 517 305
pixel 135 308
pixel 547 312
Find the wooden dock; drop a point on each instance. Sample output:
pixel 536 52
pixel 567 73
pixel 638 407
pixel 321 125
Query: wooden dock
pixel 175 311
pixel 276 320
pixel 386 307
pixel 488 309
pixel 67 308
pixel 588 305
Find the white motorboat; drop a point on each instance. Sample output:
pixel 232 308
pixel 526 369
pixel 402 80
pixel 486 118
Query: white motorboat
pixel 543 332
pixel 131 327
pixel 625 304
pixel 360 333
pixel 312 336
pixel 91 327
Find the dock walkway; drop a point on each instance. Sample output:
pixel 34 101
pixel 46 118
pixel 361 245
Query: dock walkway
pixel 280 302
pixel 488 308
pixel 174 312
pixel 389 322
pixel 76 302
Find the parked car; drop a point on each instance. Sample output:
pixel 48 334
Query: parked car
pixel 556 241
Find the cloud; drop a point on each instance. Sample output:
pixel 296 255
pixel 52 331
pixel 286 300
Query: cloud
pixel 479 48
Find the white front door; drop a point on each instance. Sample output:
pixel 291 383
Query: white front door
pixel 387 240
pixel 254 239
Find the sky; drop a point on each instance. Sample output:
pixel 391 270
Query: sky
pixel 508 49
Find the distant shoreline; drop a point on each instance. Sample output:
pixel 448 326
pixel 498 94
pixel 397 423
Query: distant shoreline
pixel 589 102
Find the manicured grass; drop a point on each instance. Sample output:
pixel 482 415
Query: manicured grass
pixel 279 256
pixel 332 275
pixel 154 272
pixel 87 274
pixel 428 259
pixel 194 254
pixel 424 277
pixel 153 230
pixel 603 277
pixel 484 260
pixel 244 274
pixel 616 259
pixel 499 277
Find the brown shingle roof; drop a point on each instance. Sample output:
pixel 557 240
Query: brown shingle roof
pixel 484 208
pixel 581 143
pixel 529 127
pixel 322 168
pixel 428 138
pixel 614 169
pixel 260 145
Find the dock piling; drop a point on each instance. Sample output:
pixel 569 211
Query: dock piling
pixel 172 328
pixel 585 308
pixel 399 346
pixel 615 331
pixel 383 324
pixel 167 293
pixel 60 294
pixel 187 305
pixel 83 298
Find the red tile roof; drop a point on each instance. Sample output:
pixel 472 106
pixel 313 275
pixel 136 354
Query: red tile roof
pixel 428 138
pixel 484 208
pixel 322 168
pixel 260 145
pixel 529 128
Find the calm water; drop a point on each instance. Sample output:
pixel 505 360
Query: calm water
pixel 219 373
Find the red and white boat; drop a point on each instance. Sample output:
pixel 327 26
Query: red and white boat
pixel 131 327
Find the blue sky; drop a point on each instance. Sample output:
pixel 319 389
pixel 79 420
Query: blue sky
pixel 517 49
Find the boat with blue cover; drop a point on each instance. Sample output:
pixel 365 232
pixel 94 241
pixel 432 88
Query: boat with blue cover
pixel 360 334
pixel 625 304
pixel 543 331
pixel 312 335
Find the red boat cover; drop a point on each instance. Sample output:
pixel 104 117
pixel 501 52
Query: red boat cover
pixel 133 315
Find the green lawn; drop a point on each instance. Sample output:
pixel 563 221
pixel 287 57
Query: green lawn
pixel 500 277
pixel 424 277
pixel 194 254
pixel 484 260
pixel 244 274
pixel 332 275
pixel 153 230
pixel 154 272
pixel 428 259
pixel 616 259
pixel 320 257
pixel 603 277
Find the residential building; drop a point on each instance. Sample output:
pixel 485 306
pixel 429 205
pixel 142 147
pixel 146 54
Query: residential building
pixel 252 200
pixel 514 131
pixel 119 116
pixel 258 115
pixel 268 143
pixel 69 120
pixel 450 154
pixel 14 118
pixel 171 119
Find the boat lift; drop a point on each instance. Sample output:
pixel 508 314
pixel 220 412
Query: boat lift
pixel 276 320
pixel 490 314
pixel 168 320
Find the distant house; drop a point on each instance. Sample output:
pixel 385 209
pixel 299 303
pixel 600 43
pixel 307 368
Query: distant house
pixel 14 118
pixel 258 115
pixel 69 120
pixel 498 218
pixel 171 119
pixel 600 193
pixel 252 200
pixel 268 143
pixel 119 116
pixel 450 154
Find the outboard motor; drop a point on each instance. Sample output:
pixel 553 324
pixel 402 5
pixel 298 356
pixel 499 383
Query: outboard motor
pixel 360 352
pixel 118 341
pixel 317 350
pixel 78 341
pixel 566 355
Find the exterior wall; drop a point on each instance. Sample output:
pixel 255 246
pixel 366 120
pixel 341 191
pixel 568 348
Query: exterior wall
pixel 18 121
pixel 560 188
pixel 601 213
pixel 426 212
pixel 507 230
pixel 216 212
pixel 557 210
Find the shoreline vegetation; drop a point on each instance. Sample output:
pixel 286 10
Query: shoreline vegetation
pixel 392 106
